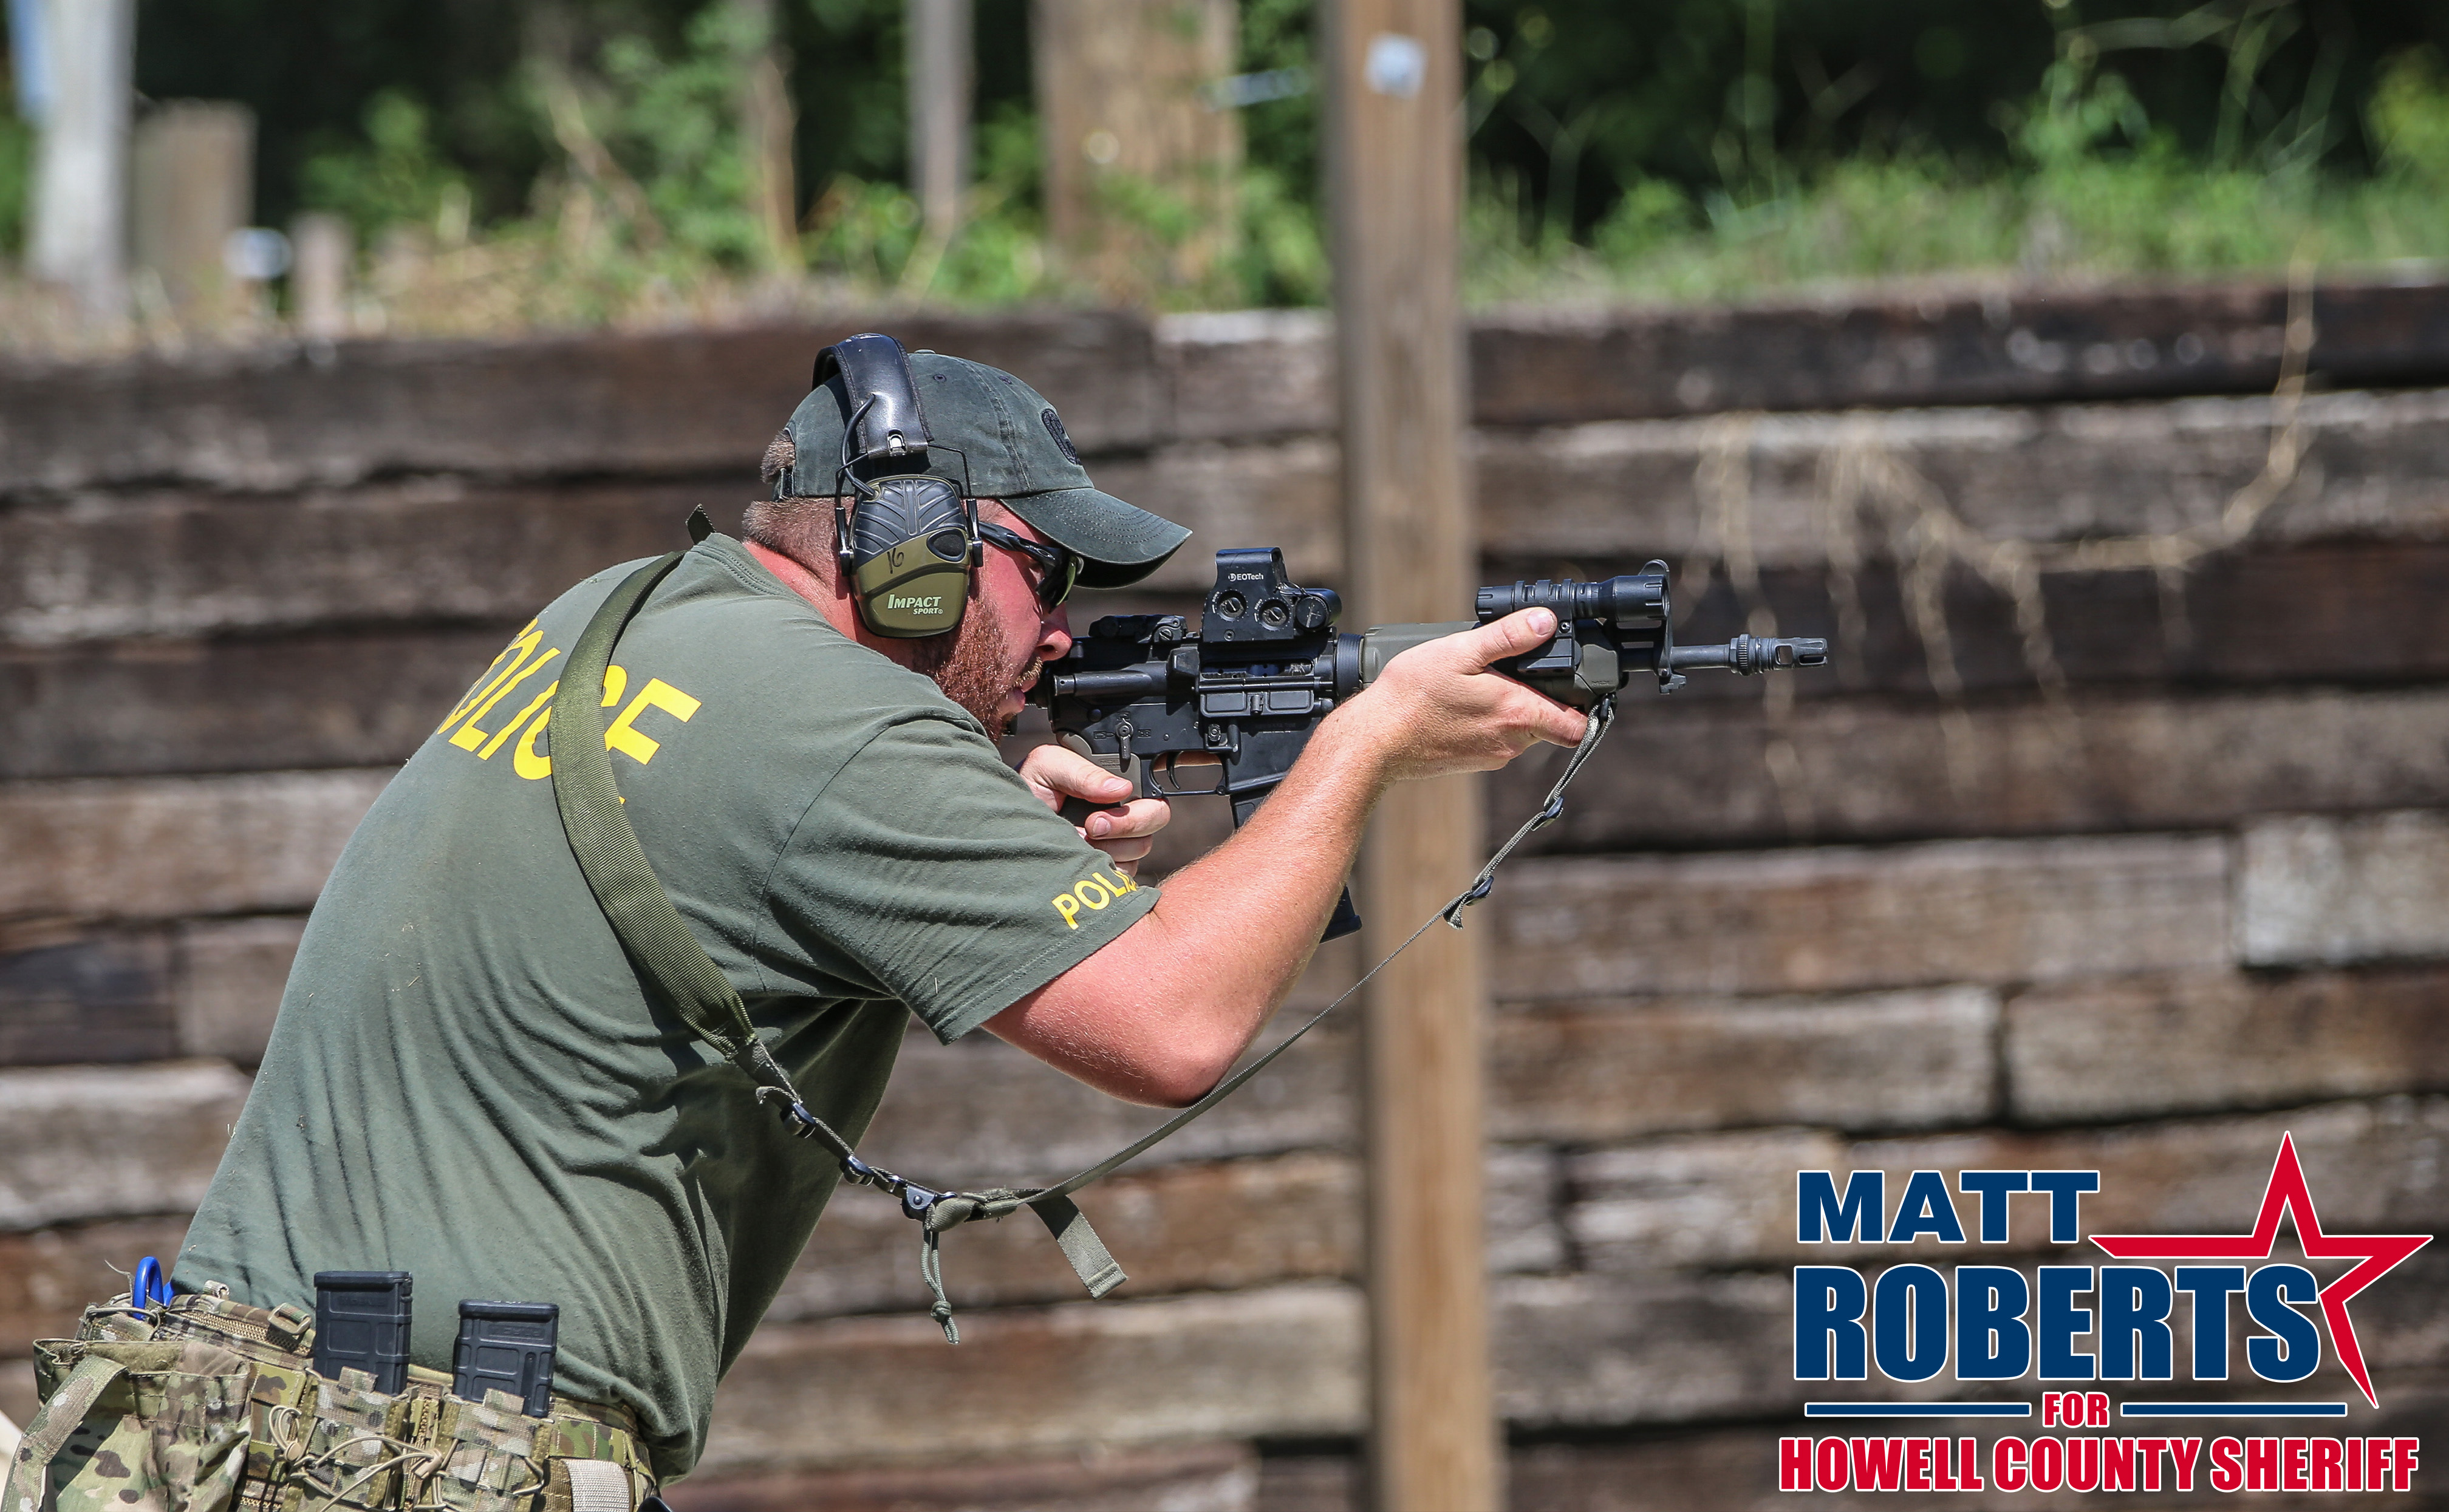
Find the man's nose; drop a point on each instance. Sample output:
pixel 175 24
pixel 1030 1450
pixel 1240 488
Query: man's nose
pixel 1055 633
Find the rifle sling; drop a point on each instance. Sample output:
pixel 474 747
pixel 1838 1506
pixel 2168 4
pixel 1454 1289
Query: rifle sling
pixel 665 954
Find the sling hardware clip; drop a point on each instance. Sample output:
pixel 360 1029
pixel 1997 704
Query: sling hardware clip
pixel 915 1200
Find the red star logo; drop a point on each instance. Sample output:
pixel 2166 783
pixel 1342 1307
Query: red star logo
pixel 2378 1252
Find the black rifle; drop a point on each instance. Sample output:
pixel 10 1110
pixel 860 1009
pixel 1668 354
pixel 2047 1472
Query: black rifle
pixel 1141 696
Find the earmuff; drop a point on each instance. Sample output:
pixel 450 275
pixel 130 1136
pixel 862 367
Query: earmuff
pixel 908 542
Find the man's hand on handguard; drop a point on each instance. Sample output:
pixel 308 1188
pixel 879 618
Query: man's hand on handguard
pixel 1438 709
pixel 1160 1014
pixel 1125 832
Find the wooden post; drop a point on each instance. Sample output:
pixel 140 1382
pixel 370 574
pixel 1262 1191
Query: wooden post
pixel 941 82
pixel 1394 160
pixel 194 175
pixel 78 237
pixel 1141 164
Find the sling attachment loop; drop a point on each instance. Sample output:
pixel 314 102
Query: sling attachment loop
pixel 678 972
pixel 1548 812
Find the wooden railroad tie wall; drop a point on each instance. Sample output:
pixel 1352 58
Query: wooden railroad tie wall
pixel 2134 884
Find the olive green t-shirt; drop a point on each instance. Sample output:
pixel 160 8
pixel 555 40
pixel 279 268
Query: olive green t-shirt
pixel 466 1081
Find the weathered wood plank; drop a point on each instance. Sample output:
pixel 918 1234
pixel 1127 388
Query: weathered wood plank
pixel 666 402
pixel 89 1142
pixel 103 998
pixel 1314 1479
pixel 2156 1045
pixel 1198 1226
pixel 2324 891
pixel 18 1402
pixel 170 846
pixel 2371 613
pixel 2372 463
pixel 166 563
pixel 1834 919
pixel 1724 1469
pixel 1280 1362
pixel 50 1275
pixel 1729 1199
pixel 1593 1349
pixel 172 562
pixel 1238 374
pixel 1024 1121
pixel 1198 1478
pixel 1700 774
pixel 1580 1073
pixel 136 707
pixel 231 973
pixel 2026 346
pixel 2374 612
pixel 206 989
pixel 684 401
pixel 1703 1199
pixel 1281 493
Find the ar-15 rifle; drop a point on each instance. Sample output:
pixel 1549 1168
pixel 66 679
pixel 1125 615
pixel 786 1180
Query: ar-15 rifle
pixel 1141 696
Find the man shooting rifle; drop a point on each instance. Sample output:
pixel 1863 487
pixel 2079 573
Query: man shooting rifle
pixel 498 1070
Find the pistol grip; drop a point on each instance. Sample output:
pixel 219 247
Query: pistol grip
pixel 1346 919
pixel 1121 763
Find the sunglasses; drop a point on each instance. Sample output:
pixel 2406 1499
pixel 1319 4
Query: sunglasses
pixel 1059 567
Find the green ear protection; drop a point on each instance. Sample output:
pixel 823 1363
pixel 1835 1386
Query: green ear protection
pixel 908 542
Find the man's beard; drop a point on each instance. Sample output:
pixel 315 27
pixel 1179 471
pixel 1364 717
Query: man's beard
pixel 975 670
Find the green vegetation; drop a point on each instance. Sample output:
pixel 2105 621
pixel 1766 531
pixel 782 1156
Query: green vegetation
pixel 574 161
pixel 16 171
pixel 2092 191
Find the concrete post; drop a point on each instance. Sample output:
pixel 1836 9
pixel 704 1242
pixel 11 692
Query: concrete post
pixel 78 238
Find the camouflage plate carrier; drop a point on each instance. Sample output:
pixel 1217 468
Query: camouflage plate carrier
pixel 204 1404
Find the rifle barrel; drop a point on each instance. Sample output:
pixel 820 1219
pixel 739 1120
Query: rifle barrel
pixel 1747 655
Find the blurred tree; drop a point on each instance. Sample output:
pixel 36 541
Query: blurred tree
pixel 312 70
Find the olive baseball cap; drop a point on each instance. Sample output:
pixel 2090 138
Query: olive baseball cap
pixel 1018 452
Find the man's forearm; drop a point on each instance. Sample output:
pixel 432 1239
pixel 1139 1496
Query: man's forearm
pixel 1227 938
pixel 1159 1015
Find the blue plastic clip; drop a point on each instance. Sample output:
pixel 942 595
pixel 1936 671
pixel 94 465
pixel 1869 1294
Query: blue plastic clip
pixel 150 1286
